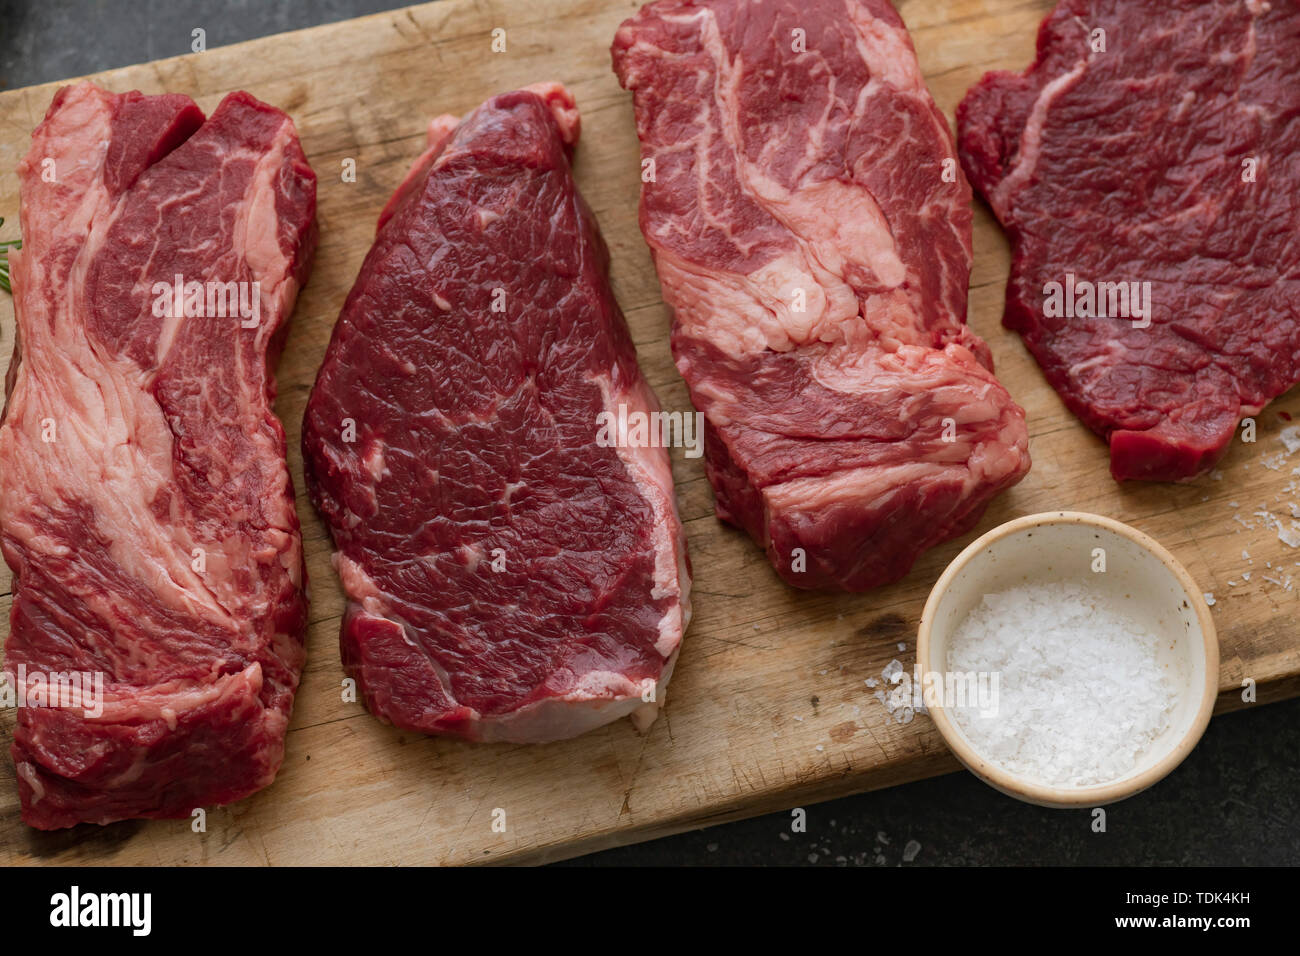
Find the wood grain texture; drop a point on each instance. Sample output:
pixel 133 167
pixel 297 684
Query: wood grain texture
pixel 768 708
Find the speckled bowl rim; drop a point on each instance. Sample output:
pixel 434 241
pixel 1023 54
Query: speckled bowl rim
pixel 1047 795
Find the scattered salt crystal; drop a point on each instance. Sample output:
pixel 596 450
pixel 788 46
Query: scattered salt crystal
pixel 910 850
pixel 902 646
pixel 1291 438
pixel 897 696
pixel 871 682
pixel 819 748
pixel 1290 536
pixel 881 837
pixel 1209 599
pixel 1245 575
pixel 1245 555
pixel 1081 693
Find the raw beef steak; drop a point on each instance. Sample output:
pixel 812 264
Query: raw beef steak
pixel 813 237
pixel 145 505
pixel 508 576
pixel 1165 167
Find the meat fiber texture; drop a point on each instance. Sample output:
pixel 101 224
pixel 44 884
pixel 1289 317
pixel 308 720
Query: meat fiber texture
pixel 1171 158
pixel 146 508
pixel 509 576
pixel 813 237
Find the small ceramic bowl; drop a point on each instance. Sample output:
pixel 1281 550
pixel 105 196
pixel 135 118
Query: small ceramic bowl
pixel 1141 577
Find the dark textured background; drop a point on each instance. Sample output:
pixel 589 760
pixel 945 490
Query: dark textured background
pixel 1236 800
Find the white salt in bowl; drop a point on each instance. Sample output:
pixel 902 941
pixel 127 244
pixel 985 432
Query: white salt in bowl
pixel 1141 580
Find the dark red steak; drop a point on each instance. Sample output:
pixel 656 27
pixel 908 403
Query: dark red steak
pixel 146 508
pixel 508 577
pixel 1171 158
pixel 812 234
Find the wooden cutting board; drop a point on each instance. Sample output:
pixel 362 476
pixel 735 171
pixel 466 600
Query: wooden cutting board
pixel 768 708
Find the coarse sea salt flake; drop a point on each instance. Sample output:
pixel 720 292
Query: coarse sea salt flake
pixel 1081 692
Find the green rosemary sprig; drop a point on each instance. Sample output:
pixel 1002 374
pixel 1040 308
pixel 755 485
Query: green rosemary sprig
pixel 4 259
